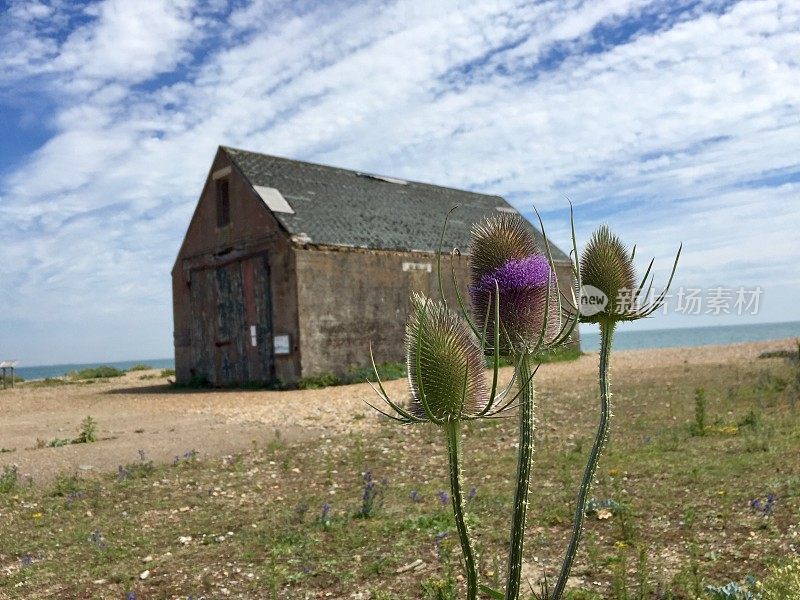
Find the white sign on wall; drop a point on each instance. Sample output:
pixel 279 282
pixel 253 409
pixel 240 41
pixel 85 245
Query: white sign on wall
pixel 417 266
pixel 281 344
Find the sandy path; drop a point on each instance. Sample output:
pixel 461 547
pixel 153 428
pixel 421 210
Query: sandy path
pixel 146 414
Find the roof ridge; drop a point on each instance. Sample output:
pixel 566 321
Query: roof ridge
pixel 365 173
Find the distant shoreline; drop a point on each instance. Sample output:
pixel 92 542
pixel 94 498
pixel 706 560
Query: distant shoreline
pixel 60 370
pixel 679 337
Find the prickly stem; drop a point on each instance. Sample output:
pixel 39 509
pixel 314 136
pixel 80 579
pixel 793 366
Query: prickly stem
pixel 606 336
pixel 454 450
pixel 524 462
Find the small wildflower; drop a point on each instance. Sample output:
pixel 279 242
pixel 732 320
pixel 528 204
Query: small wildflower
pixel 37 515
pixel 443 496
pixel 123 473
pixel 372 496
pixel 415 496
pixel 325 518
pixel 437 542
pixel 473 491
pixel 97 538
pixel 766 508
pixel 26 560
pixel 614 472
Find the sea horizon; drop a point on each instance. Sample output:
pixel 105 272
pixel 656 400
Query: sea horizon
pixel 692 337
pixel 675 337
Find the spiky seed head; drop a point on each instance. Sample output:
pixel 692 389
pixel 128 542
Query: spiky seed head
pixel 504 254
pixel 497 240
pixel 448 352
pixel 606 264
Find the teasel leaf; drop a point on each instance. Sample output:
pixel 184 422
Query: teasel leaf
pixel 445 363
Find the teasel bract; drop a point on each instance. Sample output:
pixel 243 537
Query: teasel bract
pixel 447 383
pixel 517 307
pixel 607 266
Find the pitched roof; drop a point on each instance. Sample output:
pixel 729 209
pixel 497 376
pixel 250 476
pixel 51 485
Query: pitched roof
pixel 339 207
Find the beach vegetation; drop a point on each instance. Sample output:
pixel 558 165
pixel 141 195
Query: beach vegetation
pixel 386 370
pixel 9 478
pixel 87 434
pixel 698 427
pixel 150 508
pixel 103 372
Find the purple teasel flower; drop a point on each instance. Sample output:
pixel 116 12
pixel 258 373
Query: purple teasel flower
pixel 506 261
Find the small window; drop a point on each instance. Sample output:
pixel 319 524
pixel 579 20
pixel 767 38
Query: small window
pixel 223 203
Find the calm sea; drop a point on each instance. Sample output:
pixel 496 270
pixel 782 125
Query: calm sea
pixel 590 342
pixel 694 336
pixel 44 371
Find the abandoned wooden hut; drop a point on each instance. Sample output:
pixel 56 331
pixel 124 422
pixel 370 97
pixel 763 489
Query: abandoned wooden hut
pixel 290 269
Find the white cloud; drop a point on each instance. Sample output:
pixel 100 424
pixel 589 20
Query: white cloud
pixel 668 137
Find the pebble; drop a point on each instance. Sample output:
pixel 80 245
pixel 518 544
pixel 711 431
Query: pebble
pixel 144 574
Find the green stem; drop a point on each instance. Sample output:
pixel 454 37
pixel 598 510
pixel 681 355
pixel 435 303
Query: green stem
pixel 606 335
pixel 453 430
pixel 524 463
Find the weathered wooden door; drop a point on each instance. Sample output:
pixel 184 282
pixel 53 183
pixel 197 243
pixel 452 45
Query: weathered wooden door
pixel 230 365
pixel 232 322
pixel 203 332
pixel 258 311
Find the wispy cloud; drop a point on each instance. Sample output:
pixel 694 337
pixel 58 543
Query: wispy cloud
pixel 671 121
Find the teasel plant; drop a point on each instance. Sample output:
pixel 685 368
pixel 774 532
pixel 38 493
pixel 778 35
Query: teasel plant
pixel 607 266
pixel 447 381
pixel 527 315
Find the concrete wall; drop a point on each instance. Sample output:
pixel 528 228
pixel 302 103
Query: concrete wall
pixel 252 232
pixel 350 297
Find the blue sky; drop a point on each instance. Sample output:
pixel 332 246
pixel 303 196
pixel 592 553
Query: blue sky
pixel 671 121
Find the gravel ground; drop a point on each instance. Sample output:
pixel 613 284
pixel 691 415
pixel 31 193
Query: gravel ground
pixel 135 412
